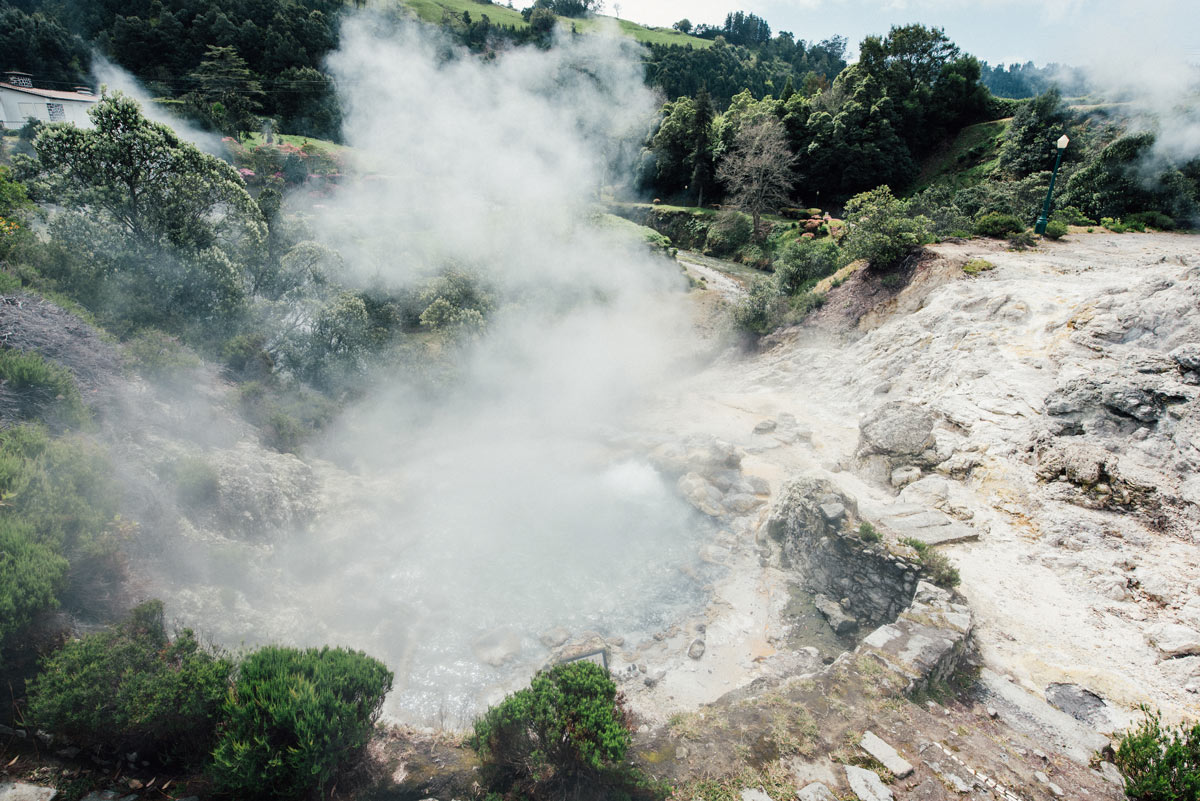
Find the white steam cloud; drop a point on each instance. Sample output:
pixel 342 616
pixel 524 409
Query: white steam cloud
pixel 520 500
pixel 115 79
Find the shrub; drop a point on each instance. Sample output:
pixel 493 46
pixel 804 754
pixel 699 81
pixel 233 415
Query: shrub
pixel 868 532
pixel 294 717
pixel 196 481
pixel 1152 219
pixel 936 566
pixel 1113 224
pixel 758 311
pixel 1056 229
pixel 43 388
pixel 1160 764
pixel 804 261
pixel 731 232
pixel 1071 215
pixel 976 266
pixel 31 574
pixel 1020 240
pixel 997 224
pixel 881 229
pixel 155 354
pixel 564 732
pixel 133 687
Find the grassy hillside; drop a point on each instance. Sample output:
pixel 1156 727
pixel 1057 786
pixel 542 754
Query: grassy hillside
pixel 967 159
pixel 434 10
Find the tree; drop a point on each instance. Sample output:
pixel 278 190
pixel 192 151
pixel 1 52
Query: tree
pixel 1029 142
pixel 683 26
pixel 226 94
pixel 163 232
pixel 758 171
pixel 703 168
pixel 881 229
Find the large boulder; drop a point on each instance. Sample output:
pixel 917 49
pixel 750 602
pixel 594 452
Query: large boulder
pixel 897 428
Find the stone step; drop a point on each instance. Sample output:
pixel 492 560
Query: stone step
pixel 888 757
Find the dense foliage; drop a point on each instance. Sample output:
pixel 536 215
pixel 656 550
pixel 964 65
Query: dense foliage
pixel 564 733
pixel 293 717
pixel 1160 763
pixel 882 231
pixel 165 42
pixel 132 687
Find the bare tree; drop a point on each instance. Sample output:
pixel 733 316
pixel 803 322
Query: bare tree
pixel 758 170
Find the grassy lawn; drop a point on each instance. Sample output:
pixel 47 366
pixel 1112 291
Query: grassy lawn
pixel 434 10
pixel 968 159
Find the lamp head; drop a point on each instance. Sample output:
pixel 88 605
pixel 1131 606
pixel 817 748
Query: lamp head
pixel 1062 142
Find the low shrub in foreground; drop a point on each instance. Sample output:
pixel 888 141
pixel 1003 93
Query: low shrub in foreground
pixel 1056 229
pixel 131 687
pixel 563 736
pixel 997 224
pixel 45 389
pixel 1160 763
pixel 976 266
pixel 31 574
pixel 293 718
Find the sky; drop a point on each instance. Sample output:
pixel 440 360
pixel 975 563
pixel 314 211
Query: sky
pixel 1076 32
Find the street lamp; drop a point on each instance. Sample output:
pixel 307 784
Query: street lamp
pixel 1040 226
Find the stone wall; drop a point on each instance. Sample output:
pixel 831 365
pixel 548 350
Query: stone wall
pixel 817 528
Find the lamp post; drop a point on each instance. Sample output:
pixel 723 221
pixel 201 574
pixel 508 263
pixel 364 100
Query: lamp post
pixel 1040 226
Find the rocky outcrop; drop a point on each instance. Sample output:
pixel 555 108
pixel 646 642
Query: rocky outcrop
pixel 868 582
pixel 709 477
pixel 927 641
pixel 897 435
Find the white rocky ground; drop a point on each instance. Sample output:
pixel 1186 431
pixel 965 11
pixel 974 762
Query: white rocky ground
pixel 1048 411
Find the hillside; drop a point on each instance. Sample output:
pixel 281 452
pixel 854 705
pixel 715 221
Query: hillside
pixel 435 11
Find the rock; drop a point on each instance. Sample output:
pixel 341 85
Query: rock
pixel 701 494
pixel 1155 585
pixel 765 427
pixel 20 791
pixel 903 476
pixel 654 678
pixel 867 785
pixel 815 792
pixel 838 620
pixel 991 712
pixel 497 647
pixel 742 502
pixel 1081 704
pixel 754 795
pixel 833 512
pixel 897 428
pixel 1114 776
pixel 1173 639
pixel 887 756
pixel 1187 357
pixel 696 649
pixel 759 485
pixel 1191 612
pixel 1055 790
pixel 681 752
pixel 552 638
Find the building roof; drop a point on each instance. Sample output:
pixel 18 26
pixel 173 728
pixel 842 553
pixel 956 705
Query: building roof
pixel 50 94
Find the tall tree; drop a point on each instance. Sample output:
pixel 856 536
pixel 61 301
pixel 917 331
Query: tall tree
pixel 703 167
pixel 758 171
pixel 226 93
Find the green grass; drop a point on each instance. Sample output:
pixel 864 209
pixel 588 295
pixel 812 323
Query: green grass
pixel 434 10
pixel 967 160
pixel 322 145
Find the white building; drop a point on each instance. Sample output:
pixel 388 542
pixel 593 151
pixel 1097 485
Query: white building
pixel 20 100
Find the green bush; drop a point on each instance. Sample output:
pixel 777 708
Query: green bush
pixel 759 311
pixel 731 232
pixel 1152 219
pixel 158 355
pixel 1113 224
pixel 44 389
pixel 804 261
pixel 1056 229
pixel 294 717
pixel 31 575
pixel 997 224
pixel 868 532
pixel 196 481
pixel 563 733
pixel 133 687
pixel 1071 215
pixel 1020 240
pixel 881 228
pixel 936 566
pixel 1160 764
